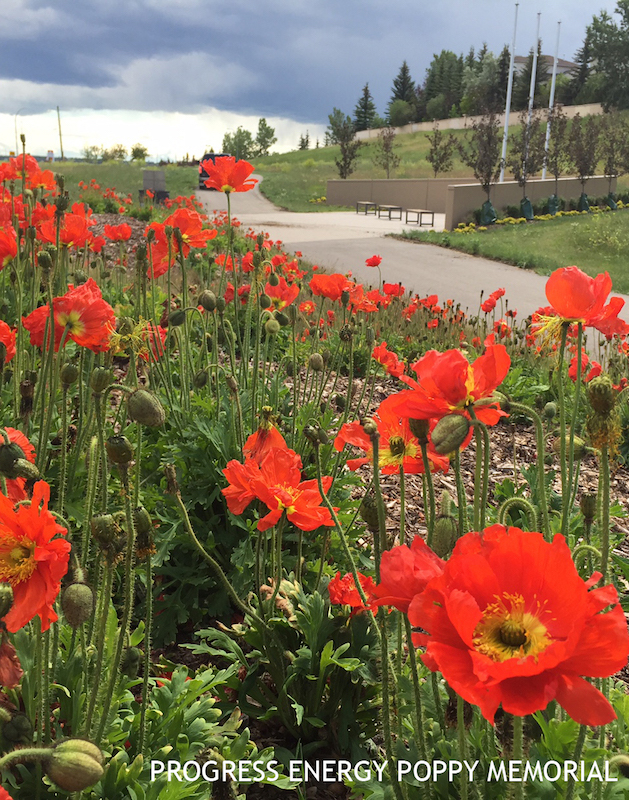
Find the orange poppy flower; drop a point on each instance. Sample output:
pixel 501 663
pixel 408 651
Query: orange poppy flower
pixel 190 224
pixel 33 558
pixel 343 591
pixel 405 572
pixel 7 338
pixel 8 246
pixel 388 359
pixel 88 318
pixel 397 447
pixel 330 286
pixel 448 384
pixel 16 486
pixel 74 231
pixel 503 630
pixel 118 233
pixel 575 297
pixel 10 673
pixel 228 175
pixel 282 294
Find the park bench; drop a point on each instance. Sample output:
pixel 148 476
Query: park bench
pixel 419 215
pixel 389 210
pixel 366 207
pixel 154 180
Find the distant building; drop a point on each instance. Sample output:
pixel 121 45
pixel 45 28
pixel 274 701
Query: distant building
pixel 563 67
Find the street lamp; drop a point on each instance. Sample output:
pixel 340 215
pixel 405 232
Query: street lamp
pixel 15 125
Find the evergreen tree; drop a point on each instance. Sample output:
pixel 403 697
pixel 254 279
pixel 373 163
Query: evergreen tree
pixel 444 78
pixel 610 53
pixel 502 79
pixel 522 83
pixel 579 76
pixel 304 142
pixel 365 111
pixel 403 85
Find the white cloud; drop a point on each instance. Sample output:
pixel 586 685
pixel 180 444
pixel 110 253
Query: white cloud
pixel 18 21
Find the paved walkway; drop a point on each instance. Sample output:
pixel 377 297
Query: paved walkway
pixel 341 241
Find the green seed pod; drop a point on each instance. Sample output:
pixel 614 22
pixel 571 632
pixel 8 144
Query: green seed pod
pixel 550 410
pixel 18 729
pixel 450 433
pixel 420 428
pixel 145 408
pixel 69 374
pixel 10 454
pixel 272 327
pixel 130 664
pixel 44 260
pixel 119 449
pixel 265 301
pixel 24 469
pixel 445 534
pixel 344 298
pixel 6 599
pixel 587 504
pixel 105 529
pixel 326 355
pixel 79 277
pixel 289 369
pixel 142 520
pixel 200 379
pixel 579 446
pixel 370 336
pixel 207 300
pixel 177 318
pixel 346 333
pixel 323 436
pixel 273 279
pixel 77 602
pixel 282 318
pixel 368 511
pixel 100 379
pixel 601 394
pixel 74 765
pixel 315 362
pixel 311 433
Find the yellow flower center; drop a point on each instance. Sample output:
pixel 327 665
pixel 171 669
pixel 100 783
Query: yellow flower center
pixel 72 321
pixel 396 451
pixel 507 630
pixel 17 562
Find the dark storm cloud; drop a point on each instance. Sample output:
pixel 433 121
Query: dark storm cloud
pixel 271 57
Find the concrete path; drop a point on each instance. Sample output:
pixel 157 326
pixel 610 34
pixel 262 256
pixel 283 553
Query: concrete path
pixel 341 241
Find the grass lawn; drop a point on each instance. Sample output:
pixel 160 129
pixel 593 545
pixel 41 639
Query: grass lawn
pixel 593 242
pixel 124 177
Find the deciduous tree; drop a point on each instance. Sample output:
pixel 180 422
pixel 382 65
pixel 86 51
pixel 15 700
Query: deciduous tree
pixel 384 155
pixel 481 150
pixel 441 153
pixel 265 138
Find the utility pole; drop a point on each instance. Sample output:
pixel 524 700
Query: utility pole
pixel 505 135
pixel 551 102
pixel 60 139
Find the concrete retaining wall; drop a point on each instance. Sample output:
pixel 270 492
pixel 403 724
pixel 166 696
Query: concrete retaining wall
pixel 405 192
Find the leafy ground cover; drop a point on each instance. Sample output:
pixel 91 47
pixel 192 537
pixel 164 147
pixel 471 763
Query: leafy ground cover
pixel 255 514
pixel 598 241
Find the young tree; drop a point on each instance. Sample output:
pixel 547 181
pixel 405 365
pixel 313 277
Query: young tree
pixel 337 122
pixel 345 138
pixel 557 157
pixel 384 155
pixel 265 138
pixel 239 144
pixel 614 146
pixel 139 152
pixel 365 111
pixel 481 152
pixel 526 151
pixel 584 150
pixel 441 153
pixel 304 141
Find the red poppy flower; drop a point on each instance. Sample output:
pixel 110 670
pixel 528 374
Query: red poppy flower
pixel 388 359
pixel 33 558
pixel 15 486
pixel 228 175
pixel 74 231
pixel 393 289
pixel 343 591
pixel 190 224
pixel 118 233
pixel 589 370
pixel 374 261
pixel 330 286
pixel 282 294
pixel 7 338
pixel 447 383
pixel 88 318
pixel 240 491
pixel 405 572
pixel 42 179
pixel 575 297
pixel 397 445
pixel 307 307
pixel 8 246
pixel 502 629
pixel 10 670
pixel 262 441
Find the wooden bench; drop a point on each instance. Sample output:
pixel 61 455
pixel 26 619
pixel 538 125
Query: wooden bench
pixel 366 207
pixel 419 215
pixel 389 210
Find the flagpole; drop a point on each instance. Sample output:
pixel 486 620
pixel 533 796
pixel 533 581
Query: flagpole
pixel 505 136
pixel 551 102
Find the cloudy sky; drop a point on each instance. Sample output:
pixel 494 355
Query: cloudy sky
pixel 175 75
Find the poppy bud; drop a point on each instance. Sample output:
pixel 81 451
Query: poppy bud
pixel 450 433
pixel 339 402
pixel 368 511
pixel 44 260
pixel 10 454
pixel 178 237
pixel 369 426
pixel 579 446
pixel 104 529
pixel 77 602
pixel 291 312
pixel 79 277
pixel 445 534
pixel 370 336
pixel 550 410
pixel 601 394
pixel 273 279
pixel 207 300
pixel 177 318
pixel 130 664
pixel 24 469
pixel 119 449
pixel 232 383
pixel 69 374
pixel 315 362
pixel 100 379
pixel 6 599
pixel 272 327
pixel 621 762
pixel 265 301
pixel 18 729
pixel 74 765
pixel 257 258
pixel 220 304
pixel 420 429
pixel 311 434
pixel 289 369
pixel 282 318
pixel 145 408
pixel 344 298
pixel 587 504
pixel 200 379
pixel 260 240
